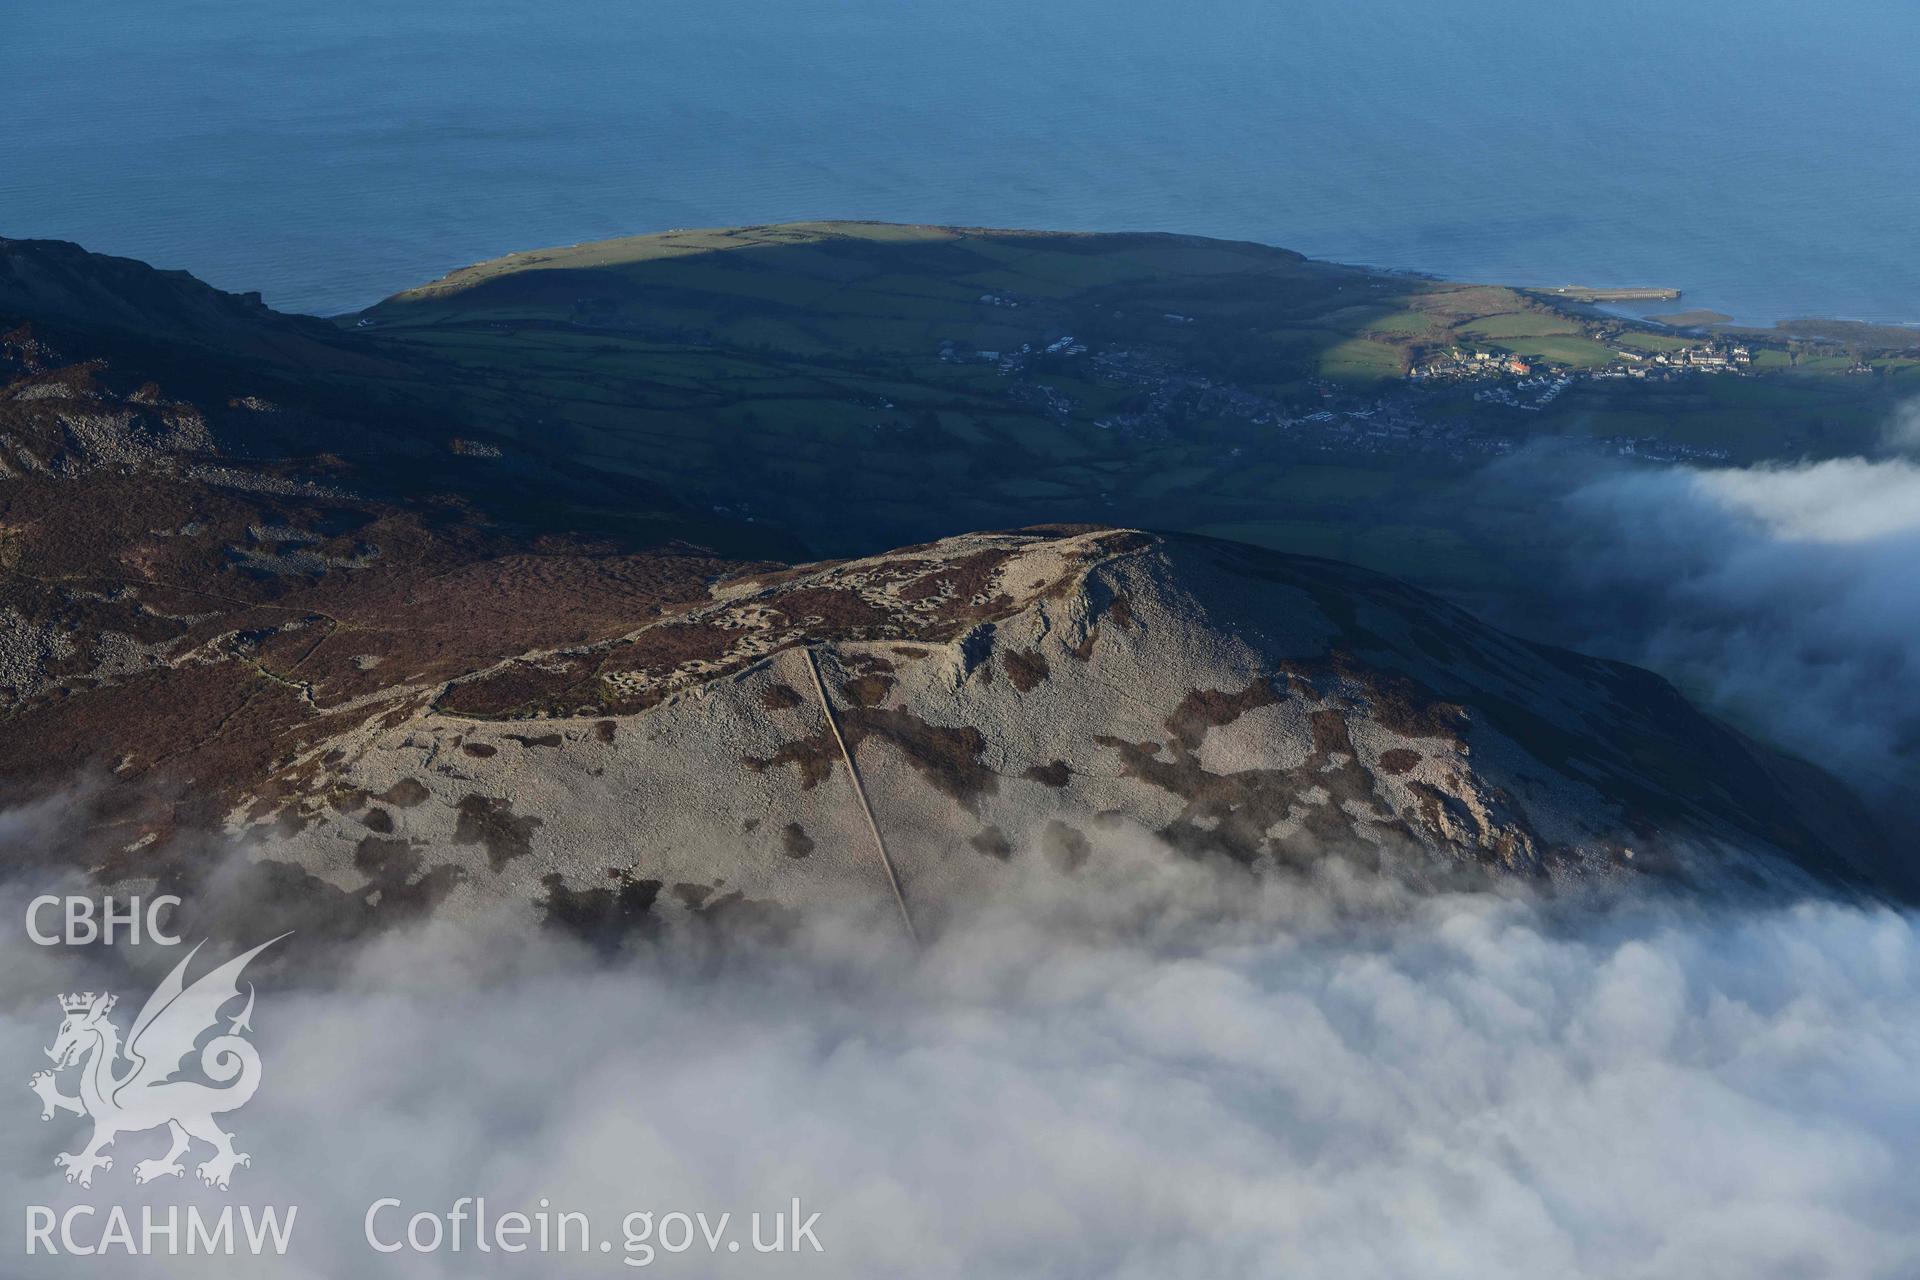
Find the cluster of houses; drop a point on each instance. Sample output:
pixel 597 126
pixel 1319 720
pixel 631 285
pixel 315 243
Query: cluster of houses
pixel 1472 362
pixel 952 352
pixel 1657 450
pixel 1532 394
pixel 1174 396
pixel 1706 358
pixel 955 352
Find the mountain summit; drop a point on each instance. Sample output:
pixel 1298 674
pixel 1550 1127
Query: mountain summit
pixel 287 624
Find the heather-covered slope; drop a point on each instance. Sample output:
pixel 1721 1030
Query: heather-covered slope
pixel 338 638
pixel 193 582
pixel 1021 695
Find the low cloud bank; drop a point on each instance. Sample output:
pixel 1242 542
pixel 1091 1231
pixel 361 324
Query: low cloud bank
pixel 1143 1069
pixel 1903 431
pixel 1784 596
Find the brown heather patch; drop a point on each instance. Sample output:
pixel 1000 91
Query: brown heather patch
pixel 490 821
pixel 406 885
pixel 794 841
pixel 515 688
pixel 1399 760
pixel 834 611
pixel 970 579
pixel 604 730
pixel 475 614
pixel 993 842
pixel 948 758
pixel 601 917
pixel 909 563
pixel 813 755
pixel 1224 813
pixel 933 579
pixel 1398 703
pixel 204 734
pixel 780 696
pixel 480 750
pixel 1120 541
pixel 667 646
pixel 345 798
pixel 544 740
pixel 405 794
pixel 1330 794
pixel 1055 774
pixel 1335 764
pixel 1026 668
pixel 1205 709
pixel 396 871
pixel 869 690
pixel 385 858
pixel 692 896
pixel 761 579
pixel 602 697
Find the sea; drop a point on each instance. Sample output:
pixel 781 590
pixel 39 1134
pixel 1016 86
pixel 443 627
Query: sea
pixel 1763 156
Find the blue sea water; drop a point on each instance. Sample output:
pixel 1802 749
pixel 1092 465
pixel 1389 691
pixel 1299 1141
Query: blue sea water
pixel 1764 156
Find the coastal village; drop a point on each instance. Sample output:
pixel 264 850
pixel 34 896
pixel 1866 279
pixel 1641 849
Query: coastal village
pixel 1407 417
pixel 1492 362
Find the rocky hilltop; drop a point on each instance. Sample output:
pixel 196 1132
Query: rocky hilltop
pixel 287 627
pixel 1014 695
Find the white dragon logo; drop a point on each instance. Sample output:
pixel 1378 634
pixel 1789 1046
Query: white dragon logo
pixel 146 1095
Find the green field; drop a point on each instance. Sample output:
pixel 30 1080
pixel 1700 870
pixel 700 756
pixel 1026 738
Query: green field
pixel 1362 360
pixel 1520 324
pixel 1577 352
pixel 1655 342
